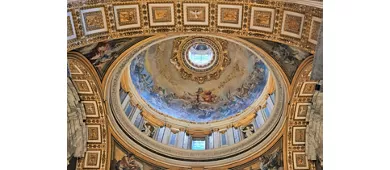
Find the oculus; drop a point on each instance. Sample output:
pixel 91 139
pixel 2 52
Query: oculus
pixel 200 59
pixel 200 56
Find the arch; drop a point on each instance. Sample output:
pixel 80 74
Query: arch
pixel 90 92
pixel 296 121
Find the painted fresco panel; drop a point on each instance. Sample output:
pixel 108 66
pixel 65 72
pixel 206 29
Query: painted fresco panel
pixel 288 57
pixel 103 54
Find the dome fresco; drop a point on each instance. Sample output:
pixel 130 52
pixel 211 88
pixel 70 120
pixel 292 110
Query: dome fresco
pixel 160 84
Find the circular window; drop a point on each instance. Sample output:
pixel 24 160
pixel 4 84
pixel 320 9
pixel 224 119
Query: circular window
pixel 200 55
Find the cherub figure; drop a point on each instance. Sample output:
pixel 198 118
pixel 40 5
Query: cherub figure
pixel 248 130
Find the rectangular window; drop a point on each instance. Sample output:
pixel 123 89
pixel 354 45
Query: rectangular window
pixel 236 135
pixel 263 114
pixel 128 109
pixel 141 124
pixel 122 94
pixel 211 141
pixel 160 134
pixel 138 120
pixel 272 96
pixel 172 141
pixel 259 119
pixel 198 144
pixel 223 140
pixel 257 125
pixel 270 104
pixel 267 112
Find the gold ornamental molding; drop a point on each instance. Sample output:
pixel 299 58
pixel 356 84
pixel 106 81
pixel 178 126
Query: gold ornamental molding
pixel 313 3
pixel 87 82
pixel 223 156
pixel 289 22
pixel 302 90
pixel 199 73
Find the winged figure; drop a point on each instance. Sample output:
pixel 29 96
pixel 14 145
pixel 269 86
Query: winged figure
pixel 196 13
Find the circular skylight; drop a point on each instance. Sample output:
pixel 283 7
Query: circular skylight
pixel 200 55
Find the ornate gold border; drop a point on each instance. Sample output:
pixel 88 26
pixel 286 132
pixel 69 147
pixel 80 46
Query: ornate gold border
pixel 220 58
pixel 301 76
pixel 145 30
pixel 91 75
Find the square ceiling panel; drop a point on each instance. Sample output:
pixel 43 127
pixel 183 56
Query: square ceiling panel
pixel 94 20
pixel 262 19
pixel 314 29
pixel 161 14
pixel 229 15
pixel 127 16
pixel 292 24
pixel 71 33
pixel 196 13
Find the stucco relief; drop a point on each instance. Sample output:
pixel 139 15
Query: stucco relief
pixel 77 131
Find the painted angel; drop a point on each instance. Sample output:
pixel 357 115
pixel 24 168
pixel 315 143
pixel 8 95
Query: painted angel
pixel 208 96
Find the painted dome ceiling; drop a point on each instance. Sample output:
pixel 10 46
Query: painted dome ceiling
pixel 198 79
